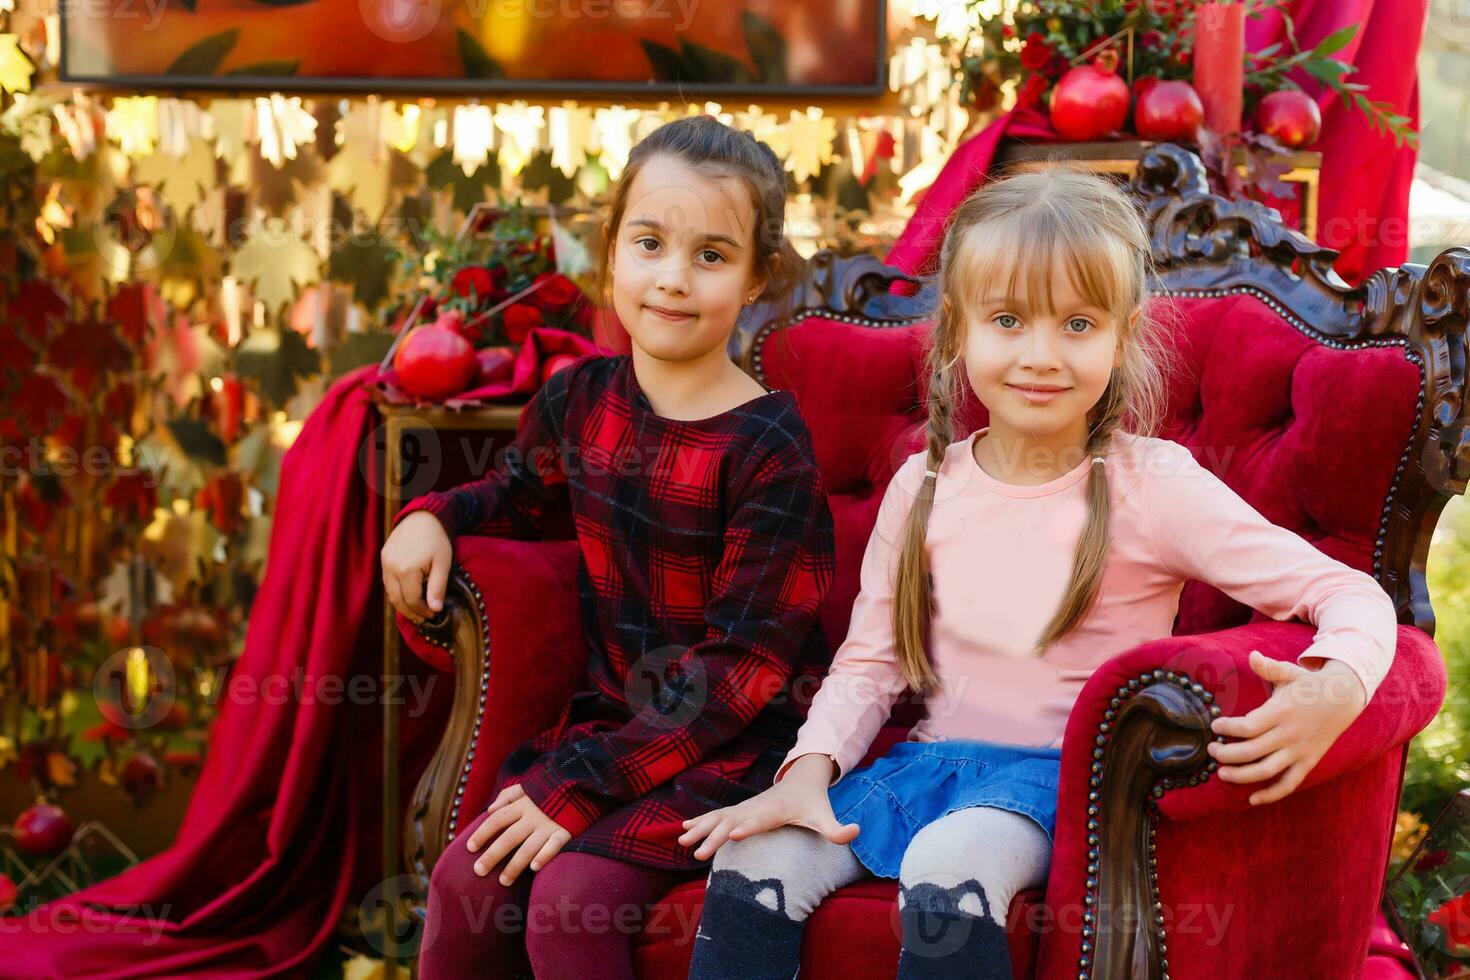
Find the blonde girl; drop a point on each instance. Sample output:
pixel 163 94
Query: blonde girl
pixel 1004 567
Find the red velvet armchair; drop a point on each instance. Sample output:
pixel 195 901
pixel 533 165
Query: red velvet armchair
pixel 1336 412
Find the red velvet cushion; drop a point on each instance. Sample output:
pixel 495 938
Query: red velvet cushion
pixel 1309 434
pixel 537 653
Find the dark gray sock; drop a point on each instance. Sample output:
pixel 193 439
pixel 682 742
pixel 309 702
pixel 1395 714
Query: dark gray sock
pixel 949 933
pixel 740 936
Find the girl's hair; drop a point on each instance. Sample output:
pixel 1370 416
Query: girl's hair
pixel 712 148
pixel 1035 220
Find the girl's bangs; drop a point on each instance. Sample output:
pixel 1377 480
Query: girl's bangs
pixel 1015 254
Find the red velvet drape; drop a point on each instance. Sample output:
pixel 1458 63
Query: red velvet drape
pixel 1364 197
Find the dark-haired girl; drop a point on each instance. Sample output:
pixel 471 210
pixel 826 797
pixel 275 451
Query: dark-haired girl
pixel 706 546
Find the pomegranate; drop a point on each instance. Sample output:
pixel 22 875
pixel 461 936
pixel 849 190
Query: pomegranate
pixel 1088 103
pixel 1168 111
pixel 433 363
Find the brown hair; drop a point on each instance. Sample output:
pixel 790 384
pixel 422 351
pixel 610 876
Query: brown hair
pixel 713 148
pixel 1034 220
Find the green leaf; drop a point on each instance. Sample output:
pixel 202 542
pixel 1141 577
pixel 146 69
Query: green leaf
pixel 205 57
pixel 1323 71
pixel 1335 41
pixel 476 61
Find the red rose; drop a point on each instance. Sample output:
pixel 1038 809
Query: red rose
pixel 477 279
pixel 519 320
pixel 1036 52
pixel 1432 860
pixel 1032 91
pixel 557 294
pixel 1454 918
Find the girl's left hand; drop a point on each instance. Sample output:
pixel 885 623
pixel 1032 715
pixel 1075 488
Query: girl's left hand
pixel 522 827
pixel 1290 733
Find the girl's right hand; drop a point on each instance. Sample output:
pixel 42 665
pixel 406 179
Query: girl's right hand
pixel 418 548
pixel 800 798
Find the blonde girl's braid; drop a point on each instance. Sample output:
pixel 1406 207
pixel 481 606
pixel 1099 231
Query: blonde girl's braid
pixel 913 582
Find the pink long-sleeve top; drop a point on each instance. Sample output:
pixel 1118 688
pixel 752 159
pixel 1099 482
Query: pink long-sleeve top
pixel 1001 555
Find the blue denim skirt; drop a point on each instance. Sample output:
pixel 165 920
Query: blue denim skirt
pixel 916 783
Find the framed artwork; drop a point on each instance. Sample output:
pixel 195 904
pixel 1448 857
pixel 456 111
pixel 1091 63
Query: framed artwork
pixel 665 49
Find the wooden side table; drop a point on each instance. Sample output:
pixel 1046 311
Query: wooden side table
pixel 416 461
pixel 1121 157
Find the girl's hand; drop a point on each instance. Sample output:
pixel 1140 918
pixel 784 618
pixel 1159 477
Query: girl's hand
pixel 522 827
pixel 419 547
pixel 1290 733
pixel 800 798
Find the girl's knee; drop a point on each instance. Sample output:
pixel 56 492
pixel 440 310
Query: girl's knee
pixel 768 854
pixel 454 872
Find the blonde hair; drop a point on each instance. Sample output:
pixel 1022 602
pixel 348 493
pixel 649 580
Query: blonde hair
pixel 1032 221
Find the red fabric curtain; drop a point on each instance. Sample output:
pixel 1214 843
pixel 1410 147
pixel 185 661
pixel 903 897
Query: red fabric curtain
pixel 1364 195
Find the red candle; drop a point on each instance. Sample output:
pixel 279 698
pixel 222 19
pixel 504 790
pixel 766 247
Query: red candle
pixel 1219 63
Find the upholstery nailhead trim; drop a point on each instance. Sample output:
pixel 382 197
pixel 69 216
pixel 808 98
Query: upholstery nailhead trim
pixel 1094 826
pixel 758 341
pixel 464 774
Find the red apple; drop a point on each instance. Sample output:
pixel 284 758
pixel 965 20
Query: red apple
pixel 433 363
pixel 495 363
pixel 1168 111
pixel 1290 117
pixel 44 830
pixel 1088 103
pixel 555 363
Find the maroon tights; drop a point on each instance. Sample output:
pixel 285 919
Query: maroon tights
pixel 578 916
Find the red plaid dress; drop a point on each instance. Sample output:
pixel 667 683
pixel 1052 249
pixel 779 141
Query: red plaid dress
pixel 707 548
